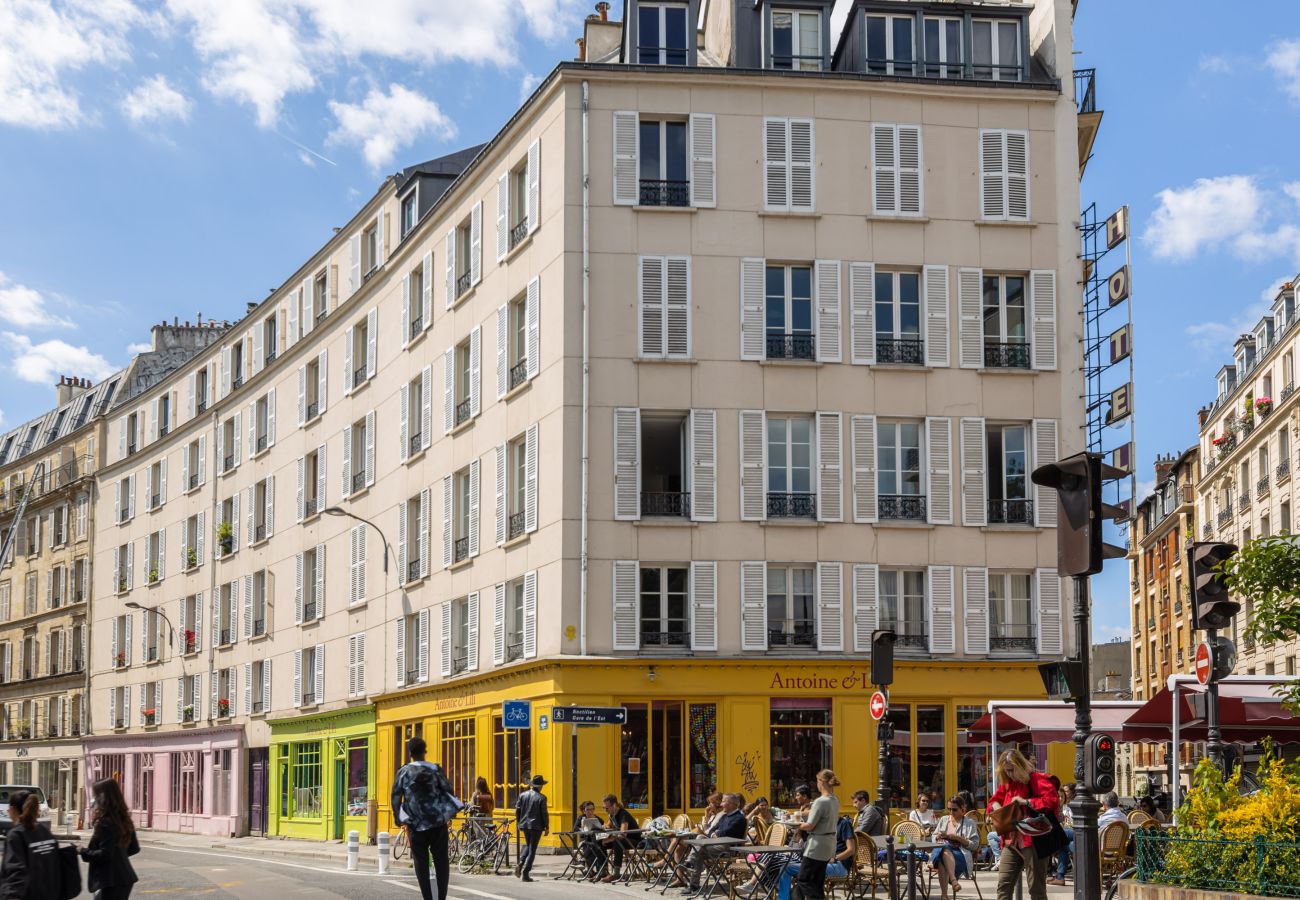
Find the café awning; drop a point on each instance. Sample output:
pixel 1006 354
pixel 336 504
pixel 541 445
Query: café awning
pixel 1248 711
pixel 1039 723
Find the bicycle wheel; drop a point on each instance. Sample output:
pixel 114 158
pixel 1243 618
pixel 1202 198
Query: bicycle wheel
pixel 470 859
pixel 399 845
pixel 502 860
pixel 455 847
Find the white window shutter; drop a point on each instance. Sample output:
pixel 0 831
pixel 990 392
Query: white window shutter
pixel 308 310
pixel 320 477
pixel 372 339
pixel 865 589
pixel 225 371
pixel 830 468
pixel 803 165
pixel 425 497
pixel 476 243
pixel 448 390
pixel 974 488
pixel 1045 452
pixel 534 185
pixel 471 648
pixel 203 459
pixel 753 605
pixel 446 521
pixel 473 507
pixel 322 369
pixel 302 488
pixel 1017 166
pixel 499 625
pixel 753 459
pixel 347 461
pixel 354 263
pixel 776 164
pixel 202 536
pixel 626 176
pixel 827 279
pixel 449 257
pixel 970 313
pixel 302 396
pixel 865 489
pixel 939 584
pixel 530 478
pixel 532 322
pixel 651 289
pixel 266 685
pixel 381 237
pixel 830 606
pixel 753 328
pixel 627 464
pixel 627 612
pixel 292 337
pixel 934 280
pixel 270 418
pixel 530 614
pixel 704 465
pixel 884 170
pixel 130 504
pixel 406 310
pixel 503 347
pixel 993 178
pixel 446 639
pixel 422 628
pixel 320 673
pixel 975 600
pixel 1042 304
pixel 426 291
pixel 401 651
pixel 503 216
pixel 704 606
pixel 403 510
pixel 703 165
pixel 911 192
pixel 403 422
pixel 1049 613
pixel 938 447
pixel 190 383
pixel 426 407
pixel 349 338
pixel 475 369
pixel 677 307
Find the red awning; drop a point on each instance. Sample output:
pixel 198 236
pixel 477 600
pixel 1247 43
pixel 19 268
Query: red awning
pixel 1248 711
pixel 1044 724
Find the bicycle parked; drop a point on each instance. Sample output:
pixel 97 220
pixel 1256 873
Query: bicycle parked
pixel 482 845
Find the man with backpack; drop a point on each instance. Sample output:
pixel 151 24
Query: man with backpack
pixel 423 803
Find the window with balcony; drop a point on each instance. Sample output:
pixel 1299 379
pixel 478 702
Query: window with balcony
pixel 460 635
pixel 943 45
pixel 58 526
pixel 156 482
pixel 133 440
pixel 791 492
pixel 264 422
pixel 259 604
pixel 890 49
pixel 796 39
pixel 791 607
pixel 413 537
pixel 788 312
pixel 410 211
pixel 359 455
pixel 518 213
pixel 995 49
pixel 191 624
pixel 192 540
pixel 320 293
pixel 515 620
pixel 195 464
pixel 227 535
pixel 201 390
pixel 463 398
pixel 121 640
pixel 30 532
pixel 78 587
pixel 665 606
pixel 665 488
pixel 1012 628
pixel 1006 340
pixel 119 699
pixel 261 688
pixel 465 511
pixel 313 570
pixel 359 342
pixel 413 648
pixel 416 415
pixel 370 248
pixel 125 502
pixel 238 364
pixel 55 647
pixel 228 441
pixel 663 174
pixel 155 556
pixel 191 697
pixel 898 318
pixel 1009 500
pixel 899 480
pixel 312 483
pixel 311 389
pixel 903 607
pixel 662 34
pixel 223 617
pixel 462 258
pixel 414 308
pixel 225 692
pixel 164 414
pixel 123 564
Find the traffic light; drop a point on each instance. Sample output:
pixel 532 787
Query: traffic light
pixel 1099 763
pixel 1077 480
pixel 882 657
pixel 1211 606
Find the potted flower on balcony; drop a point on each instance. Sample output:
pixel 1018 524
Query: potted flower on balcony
pixel 191 642
pixel 153 576
pixel 223 708
pixel 1264 406
pixel 225 537
pixel 187 714
pixel 149 715
pixel 191 557
pixel 121 584
pixel 120 659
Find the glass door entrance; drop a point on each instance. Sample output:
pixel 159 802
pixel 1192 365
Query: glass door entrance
pixel 669 756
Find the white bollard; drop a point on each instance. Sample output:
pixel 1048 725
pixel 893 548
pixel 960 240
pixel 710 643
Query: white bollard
pixel 383 852
pixel 354 849
pixel 67 822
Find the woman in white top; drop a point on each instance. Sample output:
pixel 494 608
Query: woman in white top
pixel 960 836
pixel 923 815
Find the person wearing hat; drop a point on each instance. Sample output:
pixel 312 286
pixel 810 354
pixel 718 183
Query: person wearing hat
pixel 533 820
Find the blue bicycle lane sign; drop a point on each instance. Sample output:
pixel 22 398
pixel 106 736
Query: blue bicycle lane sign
pixel 517 713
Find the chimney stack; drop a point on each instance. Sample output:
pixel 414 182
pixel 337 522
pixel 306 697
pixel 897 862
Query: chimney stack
pixel 69 388
pixel 603 8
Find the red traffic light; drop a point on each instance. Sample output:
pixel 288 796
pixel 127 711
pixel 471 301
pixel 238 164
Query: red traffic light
pixel 1106 744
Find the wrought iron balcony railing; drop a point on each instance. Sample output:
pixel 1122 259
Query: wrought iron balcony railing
pixel 666 503
pixel 270 357
pixel 460 549
pixel 1085 90
pixel 462 284
pixel 1013 643
pixel 791 346
pixel 665 193
pixel 1224 516
pixel 518 232
pixel 310 506
pixel 359 376
pixel 262 442
pixel 1243 502
pixel 663 639
pixel 194 481
pixel 1207 531
pixel 309 611
pixel 906 507
pixel 516 526
pixel 1006 356
pixel 1011 512
pixel 1283 471
pixel 415 444
pixel 791 506
pixel 793 633
pixel 417 326
pixel 909 636
pixel 313 410
pixel 358 480
pixel 236 381
pixel 228 463
pixel 1261 487
pixel 259 627
pixel 904 351
pixel 412 569
pixel 462 411
pixel 518 374
pixel 259 532
pixel 412 676
pixel 200 405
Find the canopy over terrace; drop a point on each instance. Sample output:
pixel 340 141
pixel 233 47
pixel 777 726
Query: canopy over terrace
pixel 1045 722
pixel 1248 712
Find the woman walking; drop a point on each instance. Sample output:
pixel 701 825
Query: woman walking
pixel 30 868
pixel 1020 785
pixel 819 846
pixel 111 875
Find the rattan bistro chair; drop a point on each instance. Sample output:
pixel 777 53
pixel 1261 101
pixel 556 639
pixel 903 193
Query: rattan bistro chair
pixel 908 832
pixel 1114 849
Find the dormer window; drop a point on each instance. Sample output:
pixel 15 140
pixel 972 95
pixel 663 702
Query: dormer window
pixel 662 32
pixel 943 56
pixel 796 40
pixel 890 48
pixel 995 49
pixel 370 248
pixel 410 211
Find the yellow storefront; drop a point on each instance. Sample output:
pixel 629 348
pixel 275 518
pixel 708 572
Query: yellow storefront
pixel 759 727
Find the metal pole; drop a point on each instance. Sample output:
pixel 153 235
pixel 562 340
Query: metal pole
pixel 891 858
pixel 1213 737
pixel 882 788
pixel 1087 856
pixel 573 789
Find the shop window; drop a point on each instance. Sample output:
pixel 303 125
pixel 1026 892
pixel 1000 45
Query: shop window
pixel 801 744
pixel 358 764
pixel 899 717
pixel 187 782
pixel 142 790
pixel 702 752
pixel 930 752
pixel 458 755
pixel 306 780
pixel 512 762
pixel 972 761
pixel 221 775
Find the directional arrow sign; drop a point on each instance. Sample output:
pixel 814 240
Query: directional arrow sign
pixel 878 706
pixel 590 715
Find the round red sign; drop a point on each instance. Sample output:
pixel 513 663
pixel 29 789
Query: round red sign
pixel 1204 663
pixel 878 705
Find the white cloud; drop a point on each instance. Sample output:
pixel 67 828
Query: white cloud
pixel 155 100
pixel 42 363
pixel 527 85
pixel 1217 337
pixel 43 41
pixel 385 123
pixel 1209 212
pixel 1214 65
pixel 1284 59
pixel 134 349
pixel 24 307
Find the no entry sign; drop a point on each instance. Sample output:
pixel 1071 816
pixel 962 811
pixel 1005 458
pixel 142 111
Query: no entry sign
pixel 878 705
pixel 1204 662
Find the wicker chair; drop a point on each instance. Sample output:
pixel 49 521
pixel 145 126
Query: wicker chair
pixel 848 883
pixel 909 831
pixel 1114 849
pixel 778 835
pixel 681 822
pixel 1137 819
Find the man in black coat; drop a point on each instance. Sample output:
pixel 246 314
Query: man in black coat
pixel 533 820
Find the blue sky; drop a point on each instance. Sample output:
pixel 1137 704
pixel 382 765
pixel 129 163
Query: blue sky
pixel 169 158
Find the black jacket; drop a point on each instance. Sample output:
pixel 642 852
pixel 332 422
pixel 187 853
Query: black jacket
pixel 30 868
pixel 530 811
pixel 732 825
pixel 109 865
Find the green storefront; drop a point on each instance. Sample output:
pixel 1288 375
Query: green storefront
pixel 322 769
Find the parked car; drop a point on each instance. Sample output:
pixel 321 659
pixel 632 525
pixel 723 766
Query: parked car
pixel 8 790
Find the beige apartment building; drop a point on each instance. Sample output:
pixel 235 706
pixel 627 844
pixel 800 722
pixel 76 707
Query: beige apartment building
pixel 724 352
pixel 1248 441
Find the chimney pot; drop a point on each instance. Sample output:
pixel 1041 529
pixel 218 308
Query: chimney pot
pixel 603 8
pixel 582 49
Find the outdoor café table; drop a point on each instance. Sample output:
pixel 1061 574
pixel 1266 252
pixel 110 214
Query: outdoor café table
pixel 632 860
pixel 778 856
pixel 571 841
pixel 730 847
pixel 669 869
pixel 900 848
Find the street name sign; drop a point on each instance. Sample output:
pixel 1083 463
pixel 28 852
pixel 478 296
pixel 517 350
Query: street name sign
pixel 590 715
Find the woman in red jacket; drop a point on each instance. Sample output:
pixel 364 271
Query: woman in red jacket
pixel 1018 783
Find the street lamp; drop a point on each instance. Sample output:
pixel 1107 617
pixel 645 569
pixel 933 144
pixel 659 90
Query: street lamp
pixel 340 511
pixel 171 629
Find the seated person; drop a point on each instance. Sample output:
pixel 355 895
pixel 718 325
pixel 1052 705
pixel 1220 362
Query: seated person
pixel 803 799
pixel 619 820
pixel 1110 812
pixel 868 819
pixel 759 811
pixel 1148 806
pixel 587 821
pixel 923 815
pixel 961 837
pixel 730 824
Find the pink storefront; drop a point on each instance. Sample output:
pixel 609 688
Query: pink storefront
pixel 190 781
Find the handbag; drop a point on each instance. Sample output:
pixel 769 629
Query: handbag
pixel 1054 840
pixel 69 872
pixel 1004 818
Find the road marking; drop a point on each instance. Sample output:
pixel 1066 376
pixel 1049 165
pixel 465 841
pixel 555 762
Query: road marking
pixel 461 887
pixel 284 863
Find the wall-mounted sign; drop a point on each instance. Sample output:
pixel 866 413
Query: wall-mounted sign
pixel 1122 457
pixel 1117 285
pixel 1117 228
pixel 1121 343
pixel 1120 403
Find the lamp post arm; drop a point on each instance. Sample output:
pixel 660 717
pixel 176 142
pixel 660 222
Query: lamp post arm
pixel 343 512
